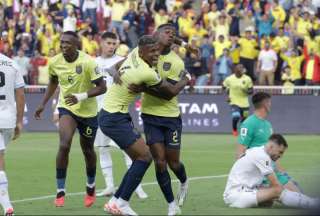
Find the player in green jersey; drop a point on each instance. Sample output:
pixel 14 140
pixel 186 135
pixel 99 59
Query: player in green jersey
pixel 80 81
pixel 256 130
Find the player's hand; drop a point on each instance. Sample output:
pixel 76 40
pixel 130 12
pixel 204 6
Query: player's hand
pixel 37 113
pixel 17 130
pixel 71 100
pixel 133 88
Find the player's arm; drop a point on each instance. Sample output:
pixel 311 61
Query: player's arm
pixel 187 46
pixel 20 102
pixel 99 89
pixel 52 86
pixel 244 140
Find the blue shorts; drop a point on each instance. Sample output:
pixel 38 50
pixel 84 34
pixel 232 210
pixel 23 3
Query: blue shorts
pixel 119 127
pixel 87 127
pixel 241 112
pixel 166 130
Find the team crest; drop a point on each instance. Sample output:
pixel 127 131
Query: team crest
pixel 166 66
pixel 78 69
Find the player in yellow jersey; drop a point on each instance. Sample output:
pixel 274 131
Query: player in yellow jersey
pixel 162 121
pixel 239 86
pixel 115 121
pixel 80 81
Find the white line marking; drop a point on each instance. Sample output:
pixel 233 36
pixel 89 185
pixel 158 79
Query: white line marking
pixel 144 184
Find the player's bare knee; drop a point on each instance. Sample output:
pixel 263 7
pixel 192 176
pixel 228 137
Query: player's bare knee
pixel 174 164
pixel 277 191
pixel 161 165
pixel 64 148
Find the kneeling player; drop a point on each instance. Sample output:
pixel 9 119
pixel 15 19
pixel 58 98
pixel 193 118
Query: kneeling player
pixel 244 187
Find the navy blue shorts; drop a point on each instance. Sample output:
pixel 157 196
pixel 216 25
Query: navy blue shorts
pixel 87 127
pixel 166 130
pixel 119 127
pixel 240 112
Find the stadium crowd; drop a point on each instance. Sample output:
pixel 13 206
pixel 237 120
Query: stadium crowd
pixel 277 41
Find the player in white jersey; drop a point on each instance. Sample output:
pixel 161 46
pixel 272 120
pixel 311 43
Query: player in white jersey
pixel 107 66
pixel 11 117
pixel 244 186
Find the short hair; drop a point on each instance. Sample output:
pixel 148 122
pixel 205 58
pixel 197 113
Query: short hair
pixel 166 25
pixel 72 33
pixel 108 34
pixel 279 140
pixel 259 97
pixel 147 40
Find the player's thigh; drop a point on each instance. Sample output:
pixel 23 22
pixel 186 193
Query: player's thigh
pixel 244 111
pixel 119 127
pixel 235 111
pixel 5 137
pixel 242 199
pixel 139 150
pixel 173 133
pixel 67 126
pixel 87 128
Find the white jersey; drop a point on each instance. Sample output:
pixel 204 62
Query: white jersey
pixel 107 68
pixel 10 79
pixel 249 170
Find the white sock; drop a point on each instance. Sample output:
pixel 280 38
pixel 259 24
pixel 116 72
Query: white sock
pixel 172 204
pixel 4 195
pixel 106 165
pixel 127 159
pixel 298 200
pixel 122 202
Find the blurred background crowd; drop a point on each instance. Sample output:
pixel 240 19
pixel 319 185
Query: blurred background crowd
pixel 277 41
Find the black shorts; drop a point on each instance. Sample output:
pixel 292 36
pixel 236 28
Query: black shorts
pixel 166 130
pixel 119 127
pixel 240 112
pixel 87 127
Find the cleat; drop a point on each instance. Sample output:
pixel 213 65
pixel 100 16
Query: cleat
pixel 9 212
pixel 182 193
pixel 111 207
pixel 174 209
pixel 109 191
pixel 140 193
pixel 59 202
pixel 235 133
pixel 126 210
pixel 89 200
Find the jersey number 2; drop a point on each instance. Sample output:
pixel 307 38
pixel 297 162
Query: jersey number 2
pixel 2 83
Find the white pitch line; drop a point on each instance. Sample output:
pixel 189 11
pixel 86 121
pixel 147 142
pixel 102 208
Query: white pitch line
pixel 144 184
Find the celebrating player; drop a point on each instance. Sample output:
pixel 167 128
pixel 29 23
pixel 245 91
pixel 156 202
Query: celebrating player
pixel 239 87
pixel 162 121
pixel 106 63
pixel 115 121
pixel 244 187
pixel 80 81
pixel 256 130
pixel 11 116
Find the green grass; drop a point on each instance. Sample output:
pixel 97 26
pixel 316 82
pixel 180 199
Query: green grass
pixel 30 164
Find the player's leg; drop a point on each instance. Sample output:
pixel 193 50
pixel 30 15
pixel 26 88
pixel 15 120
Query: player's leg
pixel 67 127
pixel 102 143
pixel 236 116
pixel 173 145
pixel 87 129
pixel 139 191
pixel 5 137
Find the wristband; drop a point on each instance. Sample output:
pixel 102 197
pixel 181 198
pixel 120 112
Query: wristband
pixel 81 96
pixel 184 44
pixel 188 76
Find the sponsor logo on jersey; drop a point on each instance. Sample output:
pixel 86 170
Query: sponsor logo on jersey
pixel 166 66
pixel 78 69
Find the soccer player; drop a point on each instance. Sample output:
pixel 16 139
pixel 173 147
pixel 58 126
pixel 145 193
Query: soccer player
pixel 80 81
pixel 244 187
pixel 256 130
pixel 115 121
pixel 162 121
pixel 239 86
pixel 11 116
pixel 106 63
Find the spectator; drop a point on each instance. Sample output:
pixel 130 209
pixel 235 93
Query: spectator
pixel 223 67
pixel 311 70
pixel 246 20
pixel 288 82
pixel 213 15
pixel 47 40
pixel 131 36
pixel 89 9
pixel 160 17
pixel 130 15
pixel 222 26
pixel 267 64
pixel 264 23
pixel 207 51
pixel 119 8
pixel 294 62
pixel 234 13
pixel 89 45
pixel 220 45
pixel 24 64
pixel 248 52
pixel 143 20
pixel 70 22
pixel 278 13
pixel 37 61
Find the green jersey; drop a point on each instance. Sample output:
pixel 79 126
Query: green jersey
pixel 254 132
pixel 76 77
pixel 169 67
pixel 133 71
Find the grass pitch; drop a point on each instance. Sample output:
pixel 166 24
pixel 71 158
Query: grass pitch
pixel 30 164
